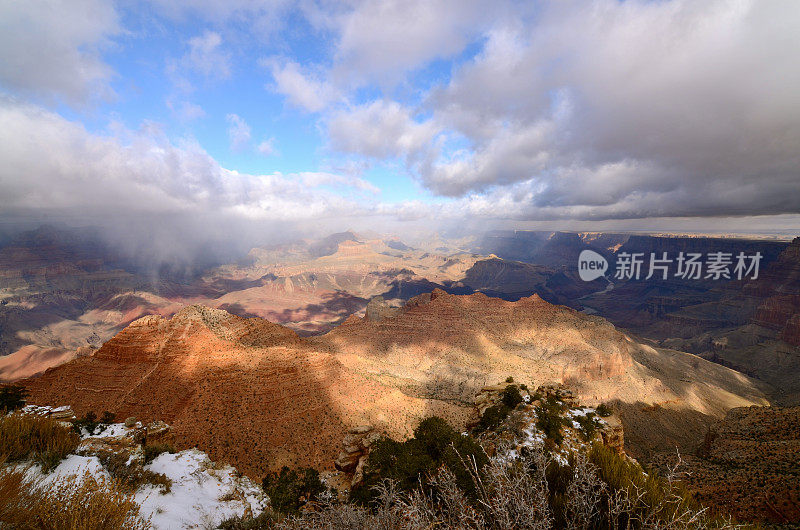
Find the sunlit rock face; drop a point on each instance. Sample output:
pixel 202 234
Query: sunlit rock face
pixel 261 396
pixel 65 293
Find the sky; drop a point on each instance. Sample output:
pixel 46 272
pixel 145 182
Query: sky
pixel 218 117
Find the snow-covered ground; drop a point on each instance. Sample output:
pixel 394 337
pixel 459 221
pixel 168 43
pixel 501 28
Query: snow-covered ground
pixel 531 436
pixel 73 466
pixel 202 495
pixel 43 411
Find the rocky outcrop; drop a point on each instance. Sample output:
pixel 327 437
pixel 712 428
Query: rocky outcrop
pixel 511 430
pixel 63 414
pixel 448 347
pixel 355 452
pixel 613 434
pixel 378 309
pixel 153 433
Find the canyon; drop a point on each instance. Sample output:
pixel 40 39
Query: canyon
pixel 258 395
pixel 273 358
pixel 63 294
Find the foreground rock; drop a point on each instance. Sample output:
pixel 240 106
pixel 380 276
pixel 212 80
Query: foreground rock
pixel 355 453
pixel 578 426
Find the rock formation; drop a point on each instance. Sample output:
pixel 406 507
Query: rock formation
pixel 247 391
pixel 780 285
pixel 63 293
pixel 258 395
pixel 355 452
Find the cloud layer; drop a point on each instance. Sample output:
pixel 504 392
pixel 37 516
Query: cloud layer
pixel 499 111
pixel 612 110
pixel 51 164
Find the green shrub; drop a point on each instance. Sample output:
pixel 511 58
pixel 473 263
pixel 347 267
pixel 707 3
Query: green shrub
pixel 598 489
pixel 604 410
pixel 102 424
pixel 88 422
pixel 511 397
pixel 12 397
pixel 291 489
pixel 434 444
pixel 588 425
pixel 656 493
pixel 153 450
pixel 92 425
pixel 493 416
pixel 550 421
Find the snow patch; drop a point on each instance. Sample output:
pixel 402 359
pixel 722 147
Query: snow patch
pixel 72 466
pixel 203 493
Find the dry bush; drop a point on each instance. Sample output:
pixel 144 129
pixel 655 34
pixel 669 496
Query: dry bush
pixel 598 490
pixel 47 441
pixel 151 451
pixel 516 494
pixel 131 475
pixel 584 495
pixel 68 503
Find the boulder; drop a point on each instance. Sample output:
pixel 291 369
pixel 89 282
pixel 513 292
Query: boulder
pixel 358 474
pixel 361 429
pixel 355 448
pixel 612 434
pixel 347 462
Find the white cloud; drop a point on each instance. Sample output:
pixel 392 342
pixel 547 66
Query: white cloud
pixel 186 111
pixel 238 132
pixel 320 178
pixel 608 110
pixel 382 40
pixel 303 89
pixel 267 147
pixel 54 165
pixel 600 111
pixel 206 56
pixel 381 129
pixel 52 49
